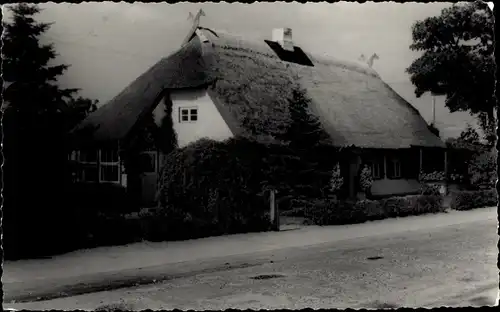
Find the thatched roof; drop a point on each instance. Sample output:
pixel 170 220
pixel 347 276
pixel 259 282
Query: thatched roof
pixel 252 87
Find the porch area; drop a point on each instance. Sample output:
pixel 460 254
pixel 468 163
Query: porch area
pixel 398 172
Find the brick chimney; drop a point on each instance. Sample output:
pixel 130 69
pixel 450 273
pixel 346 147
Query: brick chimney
pixel 283 36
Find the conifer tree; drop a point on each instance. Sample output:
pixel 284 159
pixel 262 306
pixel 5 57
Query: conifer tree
pixel 37 115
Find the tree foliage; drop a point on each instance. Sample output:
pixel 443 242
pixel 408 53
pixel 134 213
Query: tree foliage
pixel 311 156
pixel 469 139
pixel 472 159
pixel 37 114
pixel 167 138
pixel 458 60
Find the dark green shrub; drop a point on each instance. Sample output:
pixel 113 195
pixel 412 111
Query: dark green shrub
pixel 373 209
pixel 333 212
pixel 432 189
pixel 466 200
pixel 212 188
pixel 392 206
pixel 429 204
pixel 294 206
pixel 319 212
pixel 412 205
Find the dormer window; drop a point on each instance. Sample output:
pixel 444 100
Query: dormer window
pixel 282 45
pixel 188 114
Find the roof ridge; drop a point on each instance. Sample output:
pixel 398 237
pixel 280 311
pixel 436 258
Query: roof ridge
pixel 331 60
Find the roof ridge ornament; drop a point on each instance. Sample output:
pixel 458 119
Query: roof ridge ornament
pixel 196 18
pixel 372 59
pixel 195 25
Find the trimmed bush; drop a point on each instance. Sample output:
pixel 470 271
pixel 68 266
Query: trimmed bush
pixel 430 189
pixel 333 212
pixel 324 212
pixel 412 205
pixel 372 209
pixel 466 200
pixel 212 188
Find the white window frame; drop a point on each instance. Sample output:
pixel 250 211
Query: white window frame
pixel 88 163
pixel 396 168
pixel 99 163
pixel 109 163
pixel 189 114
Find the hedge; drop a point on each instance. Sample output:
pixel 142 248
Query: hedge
pixel 211 188
pixel 466 200
pixel 331 212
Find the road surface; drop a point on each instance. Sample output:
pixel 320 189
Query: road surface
pixel 444 266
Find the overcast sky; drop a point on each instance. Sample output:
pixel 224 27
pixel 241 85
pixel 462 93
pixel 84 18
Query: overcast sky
pixel 109 44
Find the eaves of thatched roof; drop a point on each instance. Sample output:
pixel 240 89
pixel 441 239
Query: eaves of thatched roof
pixel 252 87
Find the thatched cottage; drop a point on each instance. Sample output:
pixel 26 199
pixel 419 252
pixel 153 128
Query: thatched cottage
pixel 215 83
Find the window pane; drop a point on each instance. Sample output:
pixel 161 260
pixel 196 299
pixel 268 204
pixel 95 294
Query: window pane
pixel 185 118
pixel 104 156
pixel 397 169
pixel 184 112
pixel 194 117
pixel 109 173
pixel 194 111
pixel 109 155
pixel 88 156
pixel 89 174
pixel 114 155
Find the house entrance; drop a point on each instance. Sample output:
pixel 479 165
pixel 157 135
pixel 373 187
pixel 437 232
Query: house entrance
pixel 149 177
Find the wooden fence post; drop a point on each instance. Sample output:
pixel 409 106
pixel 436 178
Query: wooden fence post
pixel 273 213
pixel 446 171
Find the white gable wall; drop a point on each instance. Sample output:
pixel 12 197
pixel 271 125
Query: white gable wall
pixel 210 123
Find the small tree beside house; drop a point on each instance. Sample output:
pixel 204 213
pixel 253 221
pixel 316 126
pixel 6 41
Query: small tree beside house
pixel 365 182
pixel 336 181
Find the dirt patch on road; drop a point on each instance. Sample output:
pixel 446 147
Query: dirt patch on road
pixel 267 276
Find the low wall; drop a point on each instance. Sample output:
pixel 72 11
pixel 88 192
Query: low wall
pixel 389 187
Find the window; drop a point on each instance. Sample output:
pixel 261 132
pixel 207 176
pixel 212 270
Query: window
pixel 88 156
pixel 88 173
pixel 188 114
pixel 397 168
pixel 376 170
pixel 88 169
pixel 98 166
pixel 109 166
